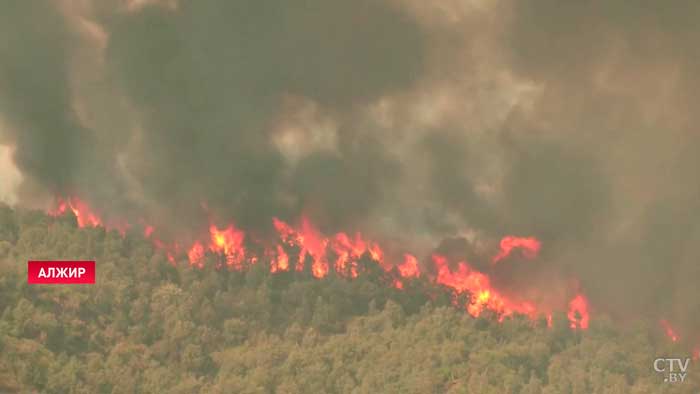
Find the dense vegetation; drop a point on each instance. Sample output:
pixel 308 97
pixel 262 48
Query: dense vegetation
pixel 149 327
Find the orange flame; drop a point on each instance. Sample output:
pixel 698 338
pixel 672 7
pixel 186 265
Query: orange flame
pixel 229 243
pixel 315 245
pixel 290 237
pixel 377 255
pixel 530 247
pixel 281 263
pixel 61 207
pixel 84 216
pixel 346 252
pixel 670 332
pixel 409 267
pixel 196 254
pixel 482 294
pixel 169 250
pixel 578 312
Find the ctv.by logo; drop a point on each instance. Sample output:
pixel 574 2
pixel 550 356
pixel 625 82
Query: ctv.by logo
pixel 675 370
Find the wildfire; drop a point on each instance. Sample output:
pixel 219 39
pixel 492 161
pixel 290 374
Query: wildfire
pixel 84 216
pixel 409 267
pixel 169 250
pixel 530 247
pixel 578 312
pixel 196 254
pixel 348 252
pixel 281 263
pixel 229 243
pixel 482 294
pixel 341 253
pixel 668 329
pixel 310 241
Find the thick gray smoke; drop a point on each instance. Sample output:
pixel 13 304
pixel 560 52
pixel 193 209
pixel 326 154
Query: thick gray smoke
pixel 619 82
pixel 416 122
pixel 36 99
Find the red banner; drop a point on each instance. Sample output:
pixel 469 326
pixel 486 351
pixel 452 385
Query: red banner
pixel 60 272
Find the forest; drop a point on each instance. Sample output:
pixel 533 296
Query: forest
pixel 150 326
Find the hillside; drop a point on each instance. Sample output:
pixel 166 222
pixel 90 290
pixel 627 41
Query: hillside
pixel 147 326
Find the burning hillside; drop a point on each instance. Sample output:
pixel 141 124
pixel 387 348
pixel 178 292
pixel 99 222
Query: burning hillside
pixel 490 149
pixel 305 249
pixel 296 247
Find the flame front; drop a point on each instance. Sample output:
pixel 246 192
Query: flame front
pixel 478 286
pixel 530 247
pixel 281 262
pixel 409 268
pixel 196 254
pixel 578 313
pixel 83 214
pixel 228 243
pixel 342 254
